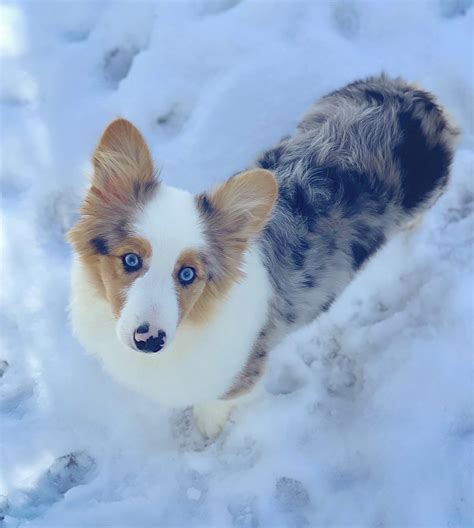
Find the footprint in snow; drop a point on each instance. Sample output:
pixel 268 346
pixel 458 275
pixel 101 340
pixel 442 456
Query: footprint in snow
pixel 342 378
pixel 292 500
pixel 76 35
pixel 213 7
pixel 462 211
pixel 117 64
pixel 4 507
pixel 171 122
pixel 455 8
pixel 15 390
pixel 68 471
pixel 3 367
pixel 346 19
pixel 56 214
pixel 194 486
pixel 64 473
pixel 243 510
pixel 284 381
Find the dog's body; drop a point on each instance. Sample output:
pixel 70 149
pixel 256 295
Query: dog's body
pixel 269 251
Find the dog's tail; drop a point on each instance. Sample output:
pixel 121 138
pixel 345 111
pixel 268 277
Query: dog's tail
pixel 400 121
pixel 425 148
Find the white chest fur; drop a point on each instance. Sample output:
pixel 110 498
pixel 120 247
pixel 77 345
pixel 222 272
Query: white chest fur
pixel 201 362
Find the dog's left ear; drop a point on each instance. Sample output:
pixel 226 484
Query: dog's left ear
pixel 239 208
pixel 246 200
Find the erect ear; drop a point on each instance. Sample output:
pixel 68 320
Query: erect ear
pixel 237 210
pixel 123 180
pixel 244 203
pixel 123 168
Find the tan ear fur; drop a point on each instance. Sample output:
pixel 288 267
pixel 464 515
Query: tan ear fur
pixel 245 202
pixel 122 162
pixel 123 180
pixel 233 213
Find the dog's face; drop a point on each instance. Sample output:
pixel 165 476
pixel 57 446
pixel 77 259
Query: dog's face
pixel 158 255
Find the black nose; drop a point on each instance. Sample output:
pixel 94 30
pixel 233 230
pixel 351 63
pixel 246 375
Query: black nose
pixel 143 329
pixel 149 339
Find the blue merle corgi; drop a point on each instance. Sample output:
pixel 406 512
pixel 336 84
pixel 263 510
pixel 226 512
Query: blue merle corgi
pixel 182 297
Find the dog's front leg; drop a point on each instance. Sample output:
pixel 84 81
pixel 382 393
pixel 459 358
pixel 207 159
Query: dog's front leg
pixel 210 417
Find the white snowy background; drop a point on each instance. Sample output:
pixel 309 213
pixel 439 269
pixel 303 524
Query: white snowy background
pixel 368 417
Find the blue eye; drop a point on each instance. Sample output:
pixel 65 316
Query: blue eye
pixel 131 262
pixel 186 275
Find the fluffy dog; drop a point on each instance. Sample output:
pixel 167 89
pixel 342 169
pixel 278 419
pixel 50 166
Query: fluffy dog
pixel 182 297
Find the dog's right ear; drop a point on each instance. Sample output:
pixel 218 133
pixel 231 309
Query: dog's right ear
pixel 123 168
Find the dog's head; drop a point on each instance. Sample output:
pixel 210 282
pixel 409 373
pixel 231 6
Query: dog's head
pixel 158 255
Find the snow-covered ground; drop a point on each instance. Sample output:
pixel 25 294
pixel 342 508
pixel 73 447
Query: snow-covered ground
pixel 368 414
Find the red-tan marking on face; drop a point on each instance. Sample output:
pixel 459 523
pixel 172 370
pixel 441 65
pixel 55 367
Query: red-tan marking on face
pixel 189 297
pixel 197 300
pixel 234 213
pixel 115 278
pixel 123 181
pixel 109 275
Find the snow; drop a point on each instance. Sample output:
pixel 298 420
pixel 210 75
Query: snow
pixel 367 418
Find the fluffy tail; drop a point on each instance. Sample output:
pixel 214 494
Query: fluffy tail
pixel 379 122
pixel 425 148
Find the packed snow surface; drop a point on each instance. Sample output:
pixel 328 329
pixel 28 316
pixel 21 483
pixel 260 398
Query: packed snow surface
pixel 367 418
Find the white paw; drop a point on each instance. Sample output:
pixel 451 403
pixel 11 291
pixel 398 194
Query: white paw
pixel 210 418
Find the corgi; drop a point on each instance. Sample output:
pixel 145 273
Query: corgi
pixel 182 297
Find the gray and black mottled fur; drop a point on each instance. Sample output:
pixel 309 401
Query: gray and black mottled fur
pixel 364 161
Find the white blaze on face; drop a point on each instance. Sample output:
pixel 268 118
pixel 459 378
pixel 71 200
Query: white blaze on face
pixel 170 222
